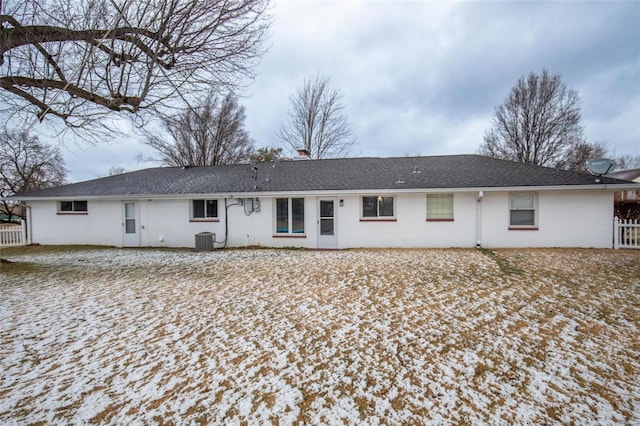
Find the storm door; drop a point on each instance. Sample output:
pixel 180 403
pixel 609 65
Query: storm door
pixel 327 237
pixel 130 226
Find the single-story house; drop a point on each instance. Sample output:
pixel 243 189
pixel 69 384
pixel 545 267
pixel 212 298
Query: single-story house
pixel 437 201
pixel 632 175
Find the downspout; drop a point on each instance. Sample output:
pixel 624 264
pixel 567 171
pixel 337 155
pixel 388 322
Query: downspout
pixel 29 224
pixel 479 219
pixel 226 223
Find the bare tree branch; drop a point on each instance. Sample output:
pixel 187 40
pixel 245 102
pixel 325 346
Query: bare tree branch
pixel 317 122
pixel 78 60
pixel 210 134
pixel 627 162
pixel 539 123
pixel 577 156
pixel 26 164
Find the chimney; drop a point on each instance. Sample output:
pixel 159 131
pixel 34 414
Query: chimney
pixel 303 154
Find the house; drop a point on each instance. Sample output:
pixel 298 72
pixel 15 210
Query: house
pixel 438 201
pixel 632 175
pixel 627 202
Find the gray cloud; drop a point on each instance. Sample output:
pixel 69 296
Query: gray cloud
pixel 425 77
pixel 419 76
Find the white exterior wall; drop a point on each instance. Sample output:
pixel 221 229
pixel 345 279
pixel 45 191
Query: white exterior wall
pixel 410 229
pixel 165 223
pixel 565 219
pixel 258 228
pixel 161 223
pixel 101 226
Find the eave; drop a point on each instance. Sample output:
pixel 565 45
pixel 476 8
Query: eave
pixel 398 190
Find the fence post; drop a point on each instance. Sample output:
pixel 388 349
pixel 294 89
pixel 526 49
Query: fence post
pixel 23 229
pixel 616 233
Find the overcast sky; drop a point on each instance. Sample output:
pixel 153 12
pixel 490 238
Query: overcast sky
pixel 423 78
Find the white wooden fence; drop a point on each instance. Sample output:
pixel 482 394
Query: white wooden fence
pixel 13 234
pixel 626 233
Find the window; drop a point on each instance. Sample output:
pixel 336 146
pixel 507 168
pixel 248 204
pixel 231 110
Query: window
pixel 289 215
pixel 297 215
pixel 440 207
pixel 522 213
pixel 204 209
pixel 377 207
pixel 72 207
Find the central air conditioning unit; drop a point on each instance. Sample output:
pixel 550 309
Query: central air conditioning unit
pixel 204 241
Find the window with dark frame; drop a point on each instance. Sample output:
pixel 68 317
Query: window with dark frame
pixel 289 215
pixel 79 206
pixel 282 215
pixel 204 209
pixel 377 207
pixel 297 215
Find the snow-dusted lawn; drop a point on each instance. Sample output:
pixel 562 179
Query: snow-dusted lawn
pixel 114 336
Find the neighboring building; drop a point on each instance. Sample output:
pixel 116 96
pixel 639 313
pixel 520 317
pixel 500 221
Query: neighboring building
pixel 627 202
pixel 440 201
pixel 632 175
pixel 13 211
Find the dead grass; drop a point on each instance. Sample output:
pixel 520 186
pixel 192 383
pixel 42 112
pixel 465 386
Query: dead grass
pixel 111 336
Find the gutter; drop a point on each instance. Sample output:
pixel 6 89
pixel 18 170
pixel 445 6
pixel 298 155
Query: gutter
pixel 333 192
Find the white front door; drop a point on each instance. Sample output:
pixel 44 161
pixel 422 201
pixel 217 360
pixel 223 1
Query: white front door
pixel 130 226
pixel 327 237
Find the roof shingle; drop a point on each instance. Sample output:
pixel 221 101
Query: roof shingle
pixel 369 173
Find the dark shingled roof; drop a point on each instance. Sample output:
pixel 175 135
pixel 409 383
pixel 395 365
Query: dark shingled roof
pixel 629 175
pixel 401 173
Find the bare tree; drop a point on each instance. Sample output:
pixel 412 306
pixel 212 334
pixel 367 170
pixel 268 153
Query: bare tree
pixel 576 157
pixel 539 123
pixel 26 164
pixel 317 122
pixel 78 59
pixel 210 134
pixel 628 161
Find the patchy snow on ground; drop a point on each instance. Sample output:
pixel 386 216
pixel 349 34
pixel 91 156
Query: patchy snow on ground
pixel 119 336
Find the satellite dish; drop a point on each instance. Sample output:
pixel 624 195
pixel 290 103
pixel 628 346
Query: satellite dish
pixel 601 166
